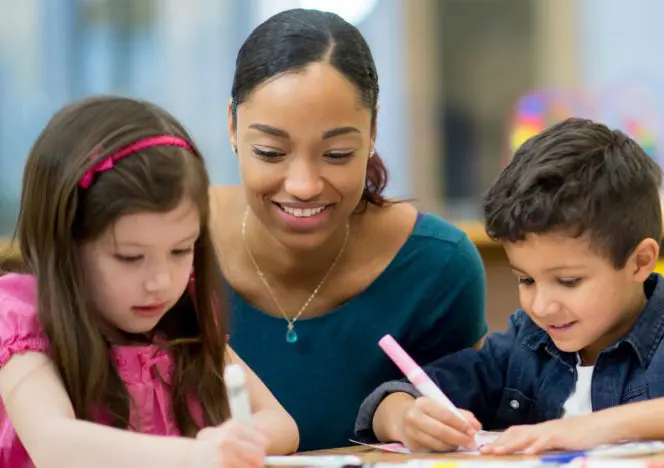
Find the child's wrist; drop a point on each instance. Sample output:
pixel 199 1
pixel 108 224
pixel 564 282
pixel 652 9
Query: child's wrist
pixel 200 453
pixel 612 426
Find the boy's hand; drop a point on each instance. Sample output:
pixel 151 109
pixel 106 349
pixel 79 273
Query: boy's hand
pixel 427 426
pixel 575 433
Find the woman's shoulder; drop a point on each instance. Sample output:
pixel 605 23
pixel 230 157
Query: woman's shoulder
pixel 435 281
pixel 427 236
pixel 434 227
pixel 428 258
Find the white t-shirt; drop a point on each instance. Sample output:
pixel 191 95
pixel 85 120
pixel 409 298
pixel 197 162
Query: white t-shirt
pixel 579 402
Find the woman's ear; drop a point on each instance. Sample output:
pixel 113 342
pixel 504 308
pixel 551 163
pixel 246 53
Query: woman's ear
pixel 232 134
pixel 374 130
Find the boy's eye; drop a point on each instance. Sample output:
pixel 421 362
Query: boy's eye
pixel 569 282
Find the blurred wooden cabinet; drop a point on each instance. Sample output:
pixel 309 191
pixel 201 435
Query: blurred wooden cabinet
pixel 468 61
pixel 502 297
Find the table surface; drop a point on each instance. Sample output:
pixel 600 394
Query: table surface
pixel 371 455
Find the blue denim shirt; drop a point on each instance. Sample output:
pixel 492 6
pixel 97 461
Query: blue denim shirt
pixel 520 377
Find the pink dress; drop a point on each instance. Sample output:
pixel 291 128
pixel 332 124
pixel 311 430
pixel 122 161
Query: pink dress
pixel 20 331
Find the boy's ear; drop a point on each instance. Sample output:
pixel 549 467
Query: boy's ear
pixel 644 259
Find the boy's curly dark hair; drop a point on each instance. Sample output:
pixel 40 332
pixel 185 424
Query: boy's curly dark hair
pixel 579 177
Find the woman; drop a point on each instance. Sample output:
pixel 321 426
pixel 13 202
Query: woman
pixel 319 263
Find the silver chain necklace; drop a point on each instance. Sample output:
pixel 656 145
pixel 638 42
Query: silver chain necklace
pixel 291 334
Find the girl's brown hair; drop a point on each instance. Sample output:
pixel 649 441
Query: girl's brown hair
pixel 57 215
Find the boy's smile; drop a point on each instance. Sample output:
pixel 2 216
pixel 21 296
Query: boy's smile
pixel 576 294
pixel 561 328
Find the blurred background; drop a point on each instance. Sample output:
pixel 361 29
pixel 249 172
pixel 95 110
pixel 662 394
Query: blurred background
pixel 463 82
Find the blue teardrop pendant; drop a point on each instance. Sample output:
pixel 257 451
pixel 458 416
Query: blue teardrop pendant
pixel 291 334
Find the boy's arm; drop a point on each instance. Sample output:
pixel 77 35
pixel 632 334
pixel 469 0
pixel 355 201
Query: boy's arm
pixel 472 379
pixel 379 416
pixel 642 420
pixel 635 421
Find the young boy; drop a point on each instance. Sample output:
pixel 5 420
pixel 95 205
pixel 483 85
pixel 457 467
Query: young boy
pixel 578 212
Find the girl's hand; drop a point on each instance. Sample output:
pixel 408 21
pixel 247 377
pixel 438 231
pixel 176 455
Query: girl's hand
pixel 230 445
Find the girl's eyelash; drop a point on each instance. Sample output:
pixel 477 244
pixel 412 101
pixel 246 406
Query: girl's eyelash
pixel 136 258
pixel 524 280
pixel 186 251
pixel 128 258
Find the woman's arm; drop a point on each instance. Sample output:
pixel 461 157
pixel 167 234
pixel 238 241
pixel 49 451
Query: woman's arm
pixel 269 415
pixel 42 415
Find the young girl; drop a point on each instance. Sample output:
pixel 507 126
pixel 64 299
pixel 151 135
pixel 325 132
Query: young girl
pixel 118 337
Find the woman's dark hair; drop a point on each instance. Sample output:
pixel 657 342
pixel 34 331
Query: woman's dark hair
pixel 293 39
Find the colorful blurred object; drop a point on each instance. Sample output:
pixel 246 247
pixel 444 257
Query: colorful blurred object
pixel 647 139
pixel 659 268
pixel 529 120
pixel 627 107
pixel 540 109
pixel 633 108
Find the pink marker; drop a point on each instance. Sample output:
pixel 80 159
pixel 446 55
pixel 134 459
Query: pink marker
pixel 416 375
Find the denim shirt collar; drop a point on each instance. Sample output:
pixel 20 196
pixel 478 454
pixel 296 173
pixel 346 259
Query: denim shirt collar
pixel 646 333
pixel 535 338
pixel 644 336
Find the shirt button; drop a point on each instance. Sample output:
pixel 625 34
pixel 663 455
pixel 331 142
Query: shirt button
pixel 514 404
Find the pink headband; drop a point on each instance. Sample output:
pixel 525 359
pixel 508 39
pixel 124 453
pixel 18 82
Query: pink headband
pixel 107 163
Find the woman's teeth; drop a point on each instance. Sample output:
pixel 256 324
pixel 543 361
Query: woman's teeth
pixel 302 212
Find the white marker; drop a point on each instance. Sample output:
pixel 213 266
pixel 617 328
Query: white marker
pixel 238 396
pixel 330 461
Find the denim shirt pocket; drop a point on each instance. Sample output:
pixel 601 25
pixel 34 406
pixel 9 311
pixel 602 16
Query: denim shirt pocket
pixel 634 393
pixel 514 408
pixel 655 389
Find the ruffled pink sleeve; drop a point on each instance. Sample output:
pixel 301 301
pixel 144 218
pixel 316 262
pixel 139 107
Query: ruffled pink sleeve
pixel 20 330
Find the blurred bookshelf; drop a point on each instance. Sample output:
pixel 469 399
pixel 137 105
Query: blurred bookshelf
pixel 459 112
